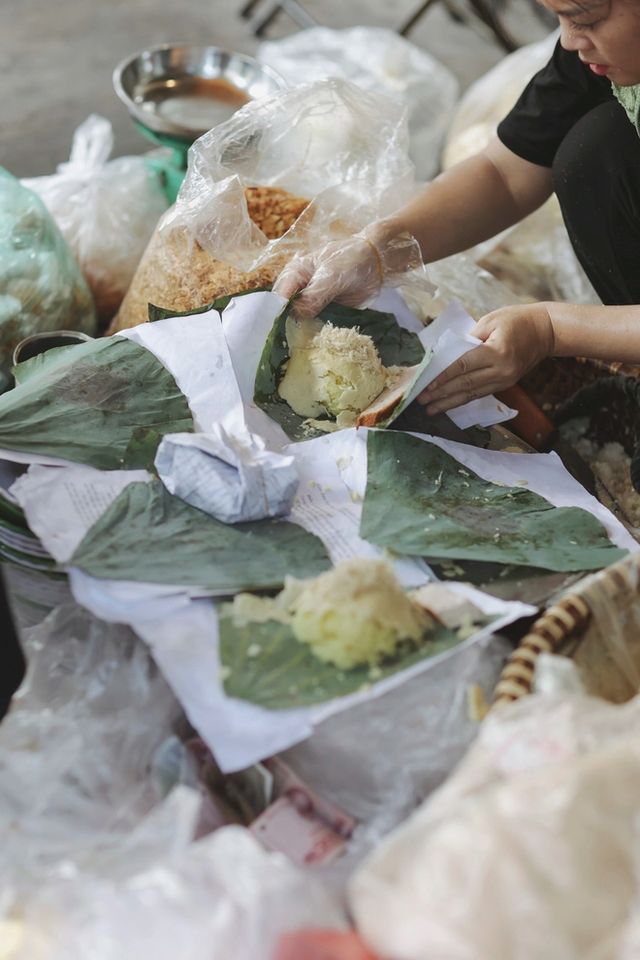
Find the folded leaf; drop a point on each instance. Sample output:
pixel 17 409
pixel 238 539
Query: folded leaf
pixel 83 402
pixel 421 501
pixel 148 535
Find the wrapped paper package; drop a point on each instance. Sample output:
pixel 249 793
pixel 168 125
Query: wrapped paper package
pixel 232 478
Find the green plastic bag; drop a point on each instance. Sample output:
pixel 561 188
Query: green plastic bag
pixel 420 501
pixel 41 287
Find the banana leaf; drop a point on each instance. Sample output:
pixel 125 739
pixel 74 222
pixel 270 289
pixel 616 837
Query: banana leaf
pixel 84 401
pixel 420 501
pixel 148 535
pixel 396 346
pixel 265 664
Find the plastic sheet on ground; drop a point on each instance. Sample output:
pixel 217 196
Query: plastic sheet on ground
pixel 382 61
pixel 530 850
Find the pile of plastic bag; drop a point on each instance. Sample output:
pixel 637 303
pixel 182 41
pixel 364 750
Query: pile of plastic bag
pixel 530 850
pixel 98 857
pixel 383 62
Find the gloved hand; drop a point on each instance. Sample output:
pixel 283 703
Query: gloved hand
pixel 351 272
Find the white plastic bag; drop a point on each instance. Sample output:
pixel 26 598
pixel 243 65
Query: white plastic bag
pixel 530 851
pixel 379 60
pixel 106 209
pixel 534 258
pixel 331 143
pixel 96 863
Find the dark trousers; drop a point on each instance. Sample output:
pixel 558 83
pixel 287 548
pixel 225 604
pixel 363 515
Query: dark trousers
pixel 12 665
pixel 596 177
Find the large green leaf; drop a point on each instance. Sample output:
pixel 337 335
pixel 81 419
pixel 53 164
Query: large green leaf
pixel 420 501
pixel 83 402
pixel 151 536
pixel 265 664
pixel 396 346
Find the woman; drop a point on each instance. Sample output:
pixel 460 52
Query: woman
pixel 574 131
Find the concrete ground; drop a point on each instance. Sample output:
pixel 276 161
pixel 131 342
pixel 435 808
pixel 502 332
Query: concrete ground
pixel 57 57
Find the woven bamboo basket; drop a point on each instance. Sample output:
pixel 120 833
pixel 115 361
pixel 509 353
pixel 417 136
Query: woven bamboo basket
pixel 597 624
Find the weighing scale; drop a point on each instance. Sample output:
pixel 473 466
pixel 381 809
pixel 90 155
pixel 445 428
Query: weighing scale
pixel 177 93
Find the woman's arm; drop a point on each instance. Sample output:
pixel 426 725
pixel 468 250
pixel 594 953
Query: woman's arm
pixel 516 338
pixel 467 204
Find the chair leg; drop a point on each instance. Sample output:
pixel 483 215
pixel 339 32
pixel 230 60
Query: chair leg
pixel 270 11
pixel 248 8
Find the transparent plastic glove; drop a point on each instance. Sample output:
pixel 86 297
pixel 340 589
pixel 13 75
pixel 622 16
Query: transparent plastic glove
pixel 351 272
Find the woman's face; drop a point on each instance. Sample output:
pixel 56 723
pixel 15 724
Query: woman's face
pixel 606 34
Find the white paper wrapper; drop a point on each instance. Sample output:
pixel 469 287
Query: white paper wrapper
pixel 232 477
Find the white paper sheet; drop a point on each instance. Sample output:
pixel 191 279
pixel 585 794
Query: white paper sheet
pixel 324 507
pixel 449 337
pixel 195 352
pixel 62 503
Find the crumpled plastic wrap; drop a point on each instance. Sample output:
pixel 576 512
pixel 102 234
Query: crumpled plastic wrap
pixel 379 60
pixel 232 477
pixel 41 287
pixel 381 758
pixel 535 257
pixel 330 142
pixel 96 861
pixel 530 850
pixel 458 278
pixel 106 210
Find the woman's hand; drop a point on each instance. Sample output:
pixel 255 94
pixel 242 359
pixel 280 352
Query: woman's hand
pixel 514 339
pixel 350 272
pixel 347 271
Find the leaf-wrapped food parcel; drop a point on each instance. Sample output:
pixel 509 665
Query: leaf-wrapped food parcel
pixel 83 402
pixel 150 536
pixel 420 501
pixel 395 346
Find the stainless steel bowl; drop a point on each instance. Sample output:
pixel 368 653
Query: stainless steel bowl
pixel 39 342
pixel 185 90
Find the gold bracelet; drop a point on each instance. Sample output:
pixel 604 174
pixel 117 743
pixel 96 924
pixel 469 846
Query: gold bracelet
pixel 378 257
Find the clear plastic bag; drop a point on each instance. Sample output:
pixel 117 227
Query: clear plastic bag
pixel 379 60
pixel 283 176
pixel 534 258
pixel 41 287
pixel 97 859
pixel 531 849
pixel 106 209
